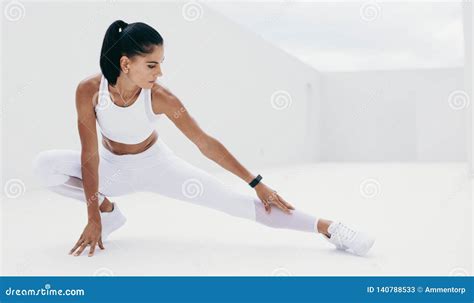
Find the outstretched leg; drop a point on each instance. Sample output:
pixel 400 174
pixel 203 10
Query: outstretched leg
pixel 297 220
pixel 169 175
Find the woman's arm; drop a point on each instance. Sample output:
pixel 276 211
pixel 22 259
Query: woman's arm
pixel 209 146
pixel 86 122
pixel 86 97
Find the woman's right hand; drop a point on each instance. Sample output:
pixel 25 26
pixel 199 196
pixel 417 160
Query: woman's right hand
pixel 92 235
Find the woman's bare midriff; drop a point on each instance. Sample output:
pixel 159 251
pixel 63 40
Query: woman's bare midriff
pixel 124 149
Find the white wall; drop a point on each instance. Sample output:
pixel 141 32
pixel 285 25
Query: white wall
pixel 223 74
pixel 392 116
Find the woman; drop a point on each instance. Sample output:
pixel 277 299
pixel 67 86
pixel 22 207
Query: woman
pixel 125 100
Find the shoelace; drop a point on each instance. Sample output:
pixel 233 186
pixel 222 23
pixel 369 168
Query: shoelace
pixel 343 233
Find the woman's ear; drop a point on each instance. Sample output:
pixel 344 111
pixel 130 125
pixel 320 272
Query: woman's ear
pixel 124 64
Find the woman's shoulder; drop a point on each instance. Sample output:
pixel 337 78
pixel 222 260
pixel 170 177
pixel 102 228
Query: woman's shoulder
pixel 159 96
pixel 162 96
pixel 90 84
pixel 88 89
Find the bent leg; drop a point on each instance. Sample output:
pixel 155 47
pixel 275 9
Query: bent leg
pixel 59 170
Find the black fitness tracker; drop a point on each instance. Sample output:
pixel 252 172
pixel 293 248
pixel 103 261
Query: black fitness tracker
pixel 255 181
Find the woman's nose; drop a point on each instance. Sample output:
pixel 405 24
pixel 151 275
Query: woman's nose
pixel 159 74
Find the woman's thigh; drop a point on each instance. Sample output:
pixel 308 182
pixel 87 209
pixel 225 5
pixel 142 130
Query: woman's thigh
pixel 176 178
pixel 56 167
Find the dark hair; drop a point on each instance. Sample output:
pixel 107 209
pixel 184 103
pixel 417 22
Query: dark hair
pixel 125 39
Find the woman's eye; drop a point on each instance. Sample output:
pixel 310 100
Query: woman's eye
pixel 151 66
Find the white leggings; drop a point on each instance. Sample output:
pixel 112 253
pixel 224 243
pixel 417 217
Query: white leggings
pixel 159 170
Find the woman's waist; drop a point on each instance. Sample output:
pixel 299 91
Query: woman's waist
pixel 117 152
pixel 122 149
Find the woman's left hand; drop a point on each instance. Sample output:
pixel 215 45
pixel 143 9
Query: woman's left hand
pixel 269 196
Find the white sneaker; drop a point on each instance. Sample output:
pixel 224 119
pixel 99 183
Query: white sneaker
pixel 344 237
pixel 111 221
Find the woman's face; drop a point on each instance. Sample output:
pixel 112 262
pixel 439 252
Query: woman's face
pixel 143 71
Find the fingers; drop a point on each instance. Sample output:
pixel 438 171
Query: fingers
pixel 82 244
pixel 91 251
pixel 81 249
pixel 288 205
pixel 267 205
pixel 276 199
pixel 101 245
pixel 77 245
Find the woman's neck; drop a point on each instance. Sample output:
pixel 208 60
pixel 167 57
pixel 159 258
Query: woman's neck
pixel 125 89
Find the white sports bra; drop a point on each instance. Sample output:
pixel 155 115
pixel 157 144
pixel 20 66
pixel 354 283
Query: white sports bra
pixel 129 125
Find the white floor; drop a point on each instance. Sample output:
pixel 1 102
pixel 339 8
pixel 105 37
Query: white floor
pixel 420 213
